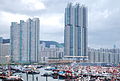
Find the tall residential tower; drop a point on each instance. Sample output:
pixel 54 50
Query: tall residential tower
pixel 75 32
pixel 1 41
pixel 25 41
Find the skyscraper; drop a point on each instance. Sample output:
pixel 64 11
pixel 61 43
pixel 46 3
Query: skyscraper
pixel 15 37
pixel 1 41
pixel 25 40
pixel 75 32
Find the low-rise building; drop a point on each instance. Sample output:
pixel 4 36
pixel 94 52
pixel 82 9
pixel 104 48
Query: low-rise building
pixel 4 51
pixel 51 52
pixel 104 55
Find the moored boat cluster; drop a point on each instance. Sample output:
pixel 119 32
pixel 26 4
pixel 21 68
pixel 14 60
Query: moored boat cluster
pixel 87 73
pixel 63 72
pixel 7 73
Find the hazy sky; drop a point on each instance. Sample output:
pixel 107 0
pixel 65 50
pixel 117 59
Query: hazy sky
pixel 103 19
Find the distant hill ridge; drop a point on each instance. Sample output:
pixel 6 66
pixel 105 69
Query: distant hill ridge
pixel 6 41
pixel 48 43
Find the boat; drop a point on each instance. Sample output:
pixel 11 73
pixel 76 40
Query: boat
pixel 33 72
pixel 64 74
pixel 47 74
pixel 12 78
pixel 2 75
pixel 40 66
pixel 49 68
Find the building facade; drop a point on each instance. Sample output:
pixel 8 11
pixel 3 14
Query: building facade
pixel 50 53
pixel 25 41
pixel 15 37
pixel 75 32
pixel 5 53
pixel 104 55
pixel 1 40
